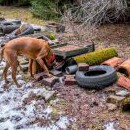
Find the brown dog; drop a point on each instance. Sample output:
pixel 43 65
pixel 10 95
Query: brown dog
pixel 34 49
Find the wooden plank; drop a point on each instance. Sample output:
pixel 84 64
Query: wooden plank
pixel 70 52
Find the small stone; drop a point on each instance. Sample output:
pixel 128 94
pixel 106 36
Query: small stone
pixel 24 68
pixel 19 77
pixel 30 97
pixel 70 80
pixel 24 62
pixel 1 67
pixel 28 85
pixel 50 81
pixel 83 67
pixel 61 79
pixel 115 99
pixel 111 89
pixel 45 94
pixel 56 72
pixel 42 102
pixel 1 72
pixel 21 82
pixel 125 106
pixel 1 90
pixel 48 95
pixel 40 76
pixel 123 93
pixel 111 107
pixel 93 104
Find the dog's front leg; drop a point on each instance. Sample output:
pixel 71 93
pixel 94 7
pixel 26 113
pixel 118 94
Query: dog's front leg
pixel 42 64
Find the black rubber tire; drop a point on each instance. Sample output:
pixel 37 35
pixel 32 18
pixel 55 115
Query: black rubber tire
pixel 99 81
pixel 14 22
pixel 8 29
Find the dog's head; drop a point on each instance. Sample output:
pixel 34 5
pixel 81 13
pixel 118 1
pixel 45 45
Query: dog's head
pixel 50 58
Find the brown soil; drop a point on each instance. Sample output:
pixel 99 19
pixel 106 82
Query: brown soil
pixel 88 107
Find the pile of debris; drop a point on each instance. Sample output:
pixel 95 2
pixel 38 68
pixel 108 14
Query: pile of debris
pixel 71 58
pixel 76 64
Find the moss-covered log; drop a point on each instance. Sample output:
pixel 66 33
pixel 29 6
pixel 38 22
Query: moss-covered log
pixel 96 57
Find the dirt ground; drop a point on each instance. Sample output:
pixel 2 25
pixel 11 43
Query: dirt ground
pixel 87 108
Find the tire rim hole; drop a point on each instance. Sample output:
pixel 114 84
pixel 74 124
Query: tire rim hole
pixel 95 73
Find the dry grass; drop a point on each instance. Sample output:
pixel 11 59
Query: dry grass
pixel 23 14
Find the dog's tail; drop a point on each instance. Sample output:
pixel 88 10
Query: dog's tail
pixel 2 52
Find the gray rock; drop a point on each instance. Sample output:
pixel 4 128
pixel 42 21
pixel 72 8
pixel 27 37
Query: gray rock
pixel 24 67
pixel 56 72
pixel 115 99
pixel 50 81
pixel 123 93
pixel 47 95
pixel 111 107
pixel 1 90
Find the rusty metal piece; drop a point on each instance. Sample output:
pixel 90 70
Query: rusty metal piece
pixel 113 62
pixel 83 67
pixel 124 68
pixel 124 82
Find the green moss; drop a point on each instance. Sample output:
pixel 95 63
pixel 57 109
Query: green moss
pixel 125 105
pixel 64 103
pixel 55 111
pixel 96 57
pixel 126 101
pixel 52 36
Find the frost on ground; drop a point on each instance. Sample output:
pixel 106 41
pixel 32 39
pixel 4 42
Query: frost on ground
pixel 110 126
pixel 35 114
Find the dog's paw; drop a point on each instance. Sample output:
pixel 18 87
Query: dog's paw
pixel 19 86
pixel 5 86
pixel 7 82
pixel 49 75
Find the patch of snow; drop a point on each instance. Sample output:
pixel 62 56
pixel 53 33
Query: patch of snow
pixel 8 125
pixel 19 76
pixel 21 82
pixel 28 85
pixel 48 110
pixel 63 122
pixel 110 126
pixel 1 71
pixel 14 115
pixel 2 63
